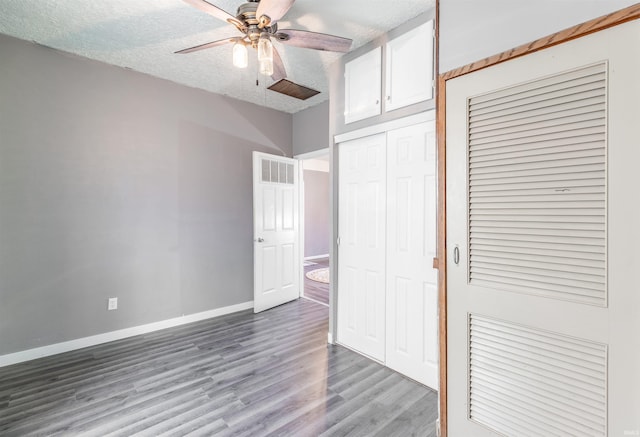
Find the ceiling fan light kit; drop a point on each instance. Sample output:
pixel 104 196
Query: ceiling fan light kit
pixel 257 20
pixel 265 54
pixel 240 55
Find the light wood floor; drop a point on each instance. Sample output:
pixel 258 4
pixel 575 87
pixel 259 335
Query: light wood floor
pixel 245 374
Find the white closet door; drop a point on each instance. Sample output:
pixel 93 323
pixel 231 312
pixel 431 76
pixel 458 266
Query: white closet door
pixel 412 302
pixel 361 227
pixel 542 219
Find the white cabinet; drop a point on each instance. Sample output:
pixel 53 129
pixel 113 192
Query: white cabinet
pixel 409 75
pixel 362 91
pixel 409 68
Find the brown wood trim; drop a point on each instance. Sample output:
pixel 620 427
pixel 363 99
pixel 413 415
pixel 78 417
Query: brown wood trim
pixel 615 18
pixel 442 250
pixel 622 16
pixel 441 261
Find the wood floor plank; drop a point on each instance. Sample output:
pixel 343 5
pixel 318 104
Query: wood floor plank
pixel 316 291
pixel 241 374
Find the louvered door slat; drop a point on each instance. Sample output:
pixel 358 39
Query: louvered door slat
pixel 549 124
pixel 524 381
pixel 557 264
pixel 537 187
pixel 534 150
pixel 538 230
pixel 566 79
pixel 571 257
pixel 543 114
pixel 570 83
pixel 549 101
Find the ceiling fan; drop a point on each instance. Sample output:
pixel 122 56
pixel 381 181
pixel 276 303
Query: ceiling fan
pixel 258 22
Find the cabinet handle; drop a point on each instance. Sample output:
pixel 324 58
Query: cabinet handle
pixel 456 255
pixel 388 98
pixel 377 102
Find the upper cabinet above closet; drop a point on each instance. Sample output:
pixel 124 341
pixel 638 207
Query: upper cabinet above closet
pixel 404 65
pixel 362 86
pixel 409 68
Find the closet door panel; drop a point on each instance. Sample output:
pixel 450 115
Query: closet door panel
pixel 361 253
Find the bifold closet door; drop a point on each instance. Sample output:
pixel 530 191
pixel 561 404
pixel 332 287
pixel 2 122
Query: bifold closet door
pixel 542 236
pixel 361 250
pixel 411 292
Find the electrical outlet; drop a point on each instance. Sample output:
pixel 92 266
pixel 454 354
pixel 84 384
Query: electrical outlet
pixel 113 303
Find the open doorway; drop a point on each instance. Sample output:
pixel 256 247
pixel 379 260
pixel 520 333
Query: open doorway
pixel 315 225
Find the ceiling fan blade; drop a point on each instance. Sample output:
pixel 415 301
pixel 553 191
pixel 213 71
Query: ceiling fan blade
pixel 314 40
pixel 208 45
pixel 274 9
pixel 215 11
pixel 278 67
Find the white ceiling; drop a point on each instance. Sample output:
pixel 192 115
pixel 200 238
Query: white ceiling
pixel 143 34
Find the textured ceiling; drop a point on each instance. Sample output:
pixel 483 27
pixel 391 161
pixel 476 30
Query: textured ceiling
pixel 143 34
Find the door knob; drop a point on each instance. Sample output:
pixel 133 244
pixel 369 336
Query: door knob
pixel 260 240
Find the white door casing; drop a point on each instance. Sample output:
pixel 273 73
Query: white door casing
pixel 412 298
pixel 276 251
pixel 361 252
pixel 542 218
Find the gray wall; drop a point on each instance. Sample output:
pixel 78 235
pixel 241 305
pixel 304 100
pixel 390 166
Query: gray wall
pixel 113 183
pixel 311 129
pixel 471 30
pixel 316 213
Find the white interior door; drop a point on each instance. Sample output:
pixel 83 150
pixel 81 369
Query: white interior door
pixel 542 237
pixel 412 298
pixel 276 252
pixel 361 252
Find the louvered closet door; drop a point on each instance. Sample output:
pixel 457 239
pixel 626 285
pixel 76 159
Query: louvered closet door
pixel 543 210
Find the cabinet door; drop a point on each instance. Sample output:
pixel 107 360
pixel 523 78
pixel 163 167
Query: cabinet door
pixel 362 86
pixel 409 68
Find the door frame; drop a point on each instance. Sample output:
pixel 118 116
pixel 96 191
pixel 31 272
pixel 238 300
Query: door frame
pixel 601 23
pixel 302 157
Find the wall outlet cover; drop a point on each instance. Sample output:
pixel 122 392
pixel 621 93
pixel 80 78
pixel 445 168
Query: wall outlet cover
pixel 113 303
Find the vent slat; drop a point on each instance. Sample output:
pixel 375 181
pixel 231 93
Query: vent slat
pixel 520 129
pixel 550 99
pixel 585 139
pixel 568 130
pixel 554 156
pixel 538 272
pixel 480 124
pixel 558 177
pixel 566 78
pixel 530 150
pixel 552 220
pixel 541 173
pixel 529 258
pixel 587 267
pixel 523 379
pixel 532 229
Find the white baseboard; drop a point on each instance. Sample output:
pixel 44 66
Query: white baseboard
pixel 310 258
pixel 57 348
